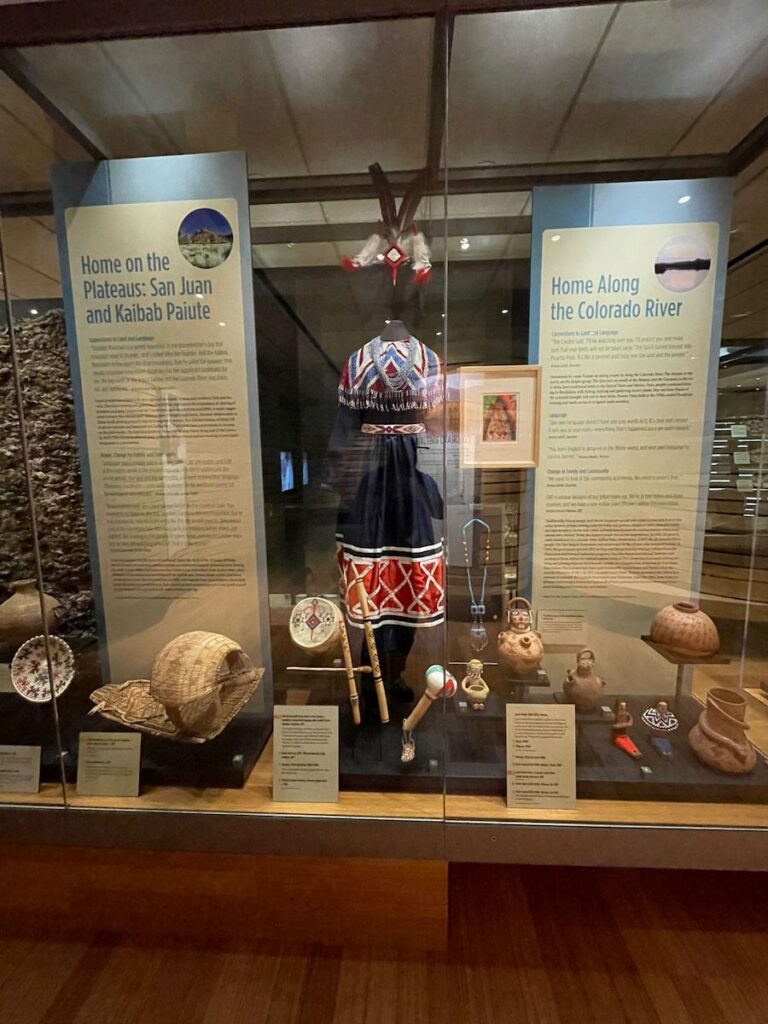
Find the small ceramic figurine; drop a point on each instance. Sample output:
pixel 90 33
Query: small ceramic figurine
pixel 623 721
pixel 475 686
pixel 582 687
pixel 520 646
pixel 719 738
pixel 661 722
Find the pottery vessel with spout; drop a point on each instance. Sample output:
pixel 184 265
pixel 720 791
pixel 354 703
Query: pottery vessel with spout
pixel 20 615
pixel 582 687
pixel 520 646
pixel 719 738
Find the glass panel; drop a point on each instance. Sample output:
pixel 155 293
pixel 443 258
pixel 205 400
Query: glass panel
pixel 349 337
pixel 39 545
pixel 503 550
pixel 375 450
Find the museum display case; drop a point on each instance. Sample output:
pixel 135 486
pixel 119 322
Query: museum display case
pixel 393 428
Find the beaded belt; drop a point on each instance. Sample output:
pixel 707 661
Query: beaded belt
pixel 393 428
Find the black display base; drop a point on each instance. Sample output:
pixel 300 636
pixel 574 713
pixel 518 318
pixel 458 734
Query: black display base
pixel 24 724
pixel 221 763
pixel 224 762
pixel 469 748
pixel 369 753
pixel 476 758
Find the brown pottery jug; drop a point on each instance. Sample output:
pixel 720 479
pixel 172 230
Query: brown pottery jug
pixel 582 687
pixel 20 615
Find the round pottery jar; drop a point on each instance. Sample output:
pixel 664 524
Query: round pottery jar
pixel 683 628
pixel 520 653
pixel 719 738
pixel 20 616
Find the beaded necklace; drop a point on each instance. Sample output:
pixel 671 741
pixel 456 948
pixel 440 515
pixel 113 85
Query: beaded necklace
pixel 477 631
pixel 398 380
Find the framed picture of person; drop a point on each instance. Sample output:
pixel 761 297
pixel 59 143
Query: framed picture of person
pixel 499 421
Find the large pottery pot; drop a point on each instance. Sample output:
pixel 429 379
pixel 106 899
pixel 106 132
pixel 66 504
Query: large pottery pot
pixel 719 737
pixel 520 646
pixel 582 687
pixel 684 629
pixel 20 615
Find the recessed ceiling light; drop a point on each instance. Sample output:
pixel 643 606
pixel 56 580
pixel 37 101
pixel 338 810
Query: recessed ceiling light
pixel 387 321
pixel 33 312
pixel 505 311
pixel 684 199
pixel 555 238
pixel 291 245
pixel 443 315
pixel 438 333
pixel 464 246
pixel 464 241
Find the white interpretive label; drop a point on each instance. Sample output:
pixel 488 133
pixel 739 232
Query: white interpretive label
pixel 108 764
pixel 738 430
pixel 6 686
pixel 567 628
pixel 162 359
pixel 19 769
pixel 625 349
pixel 541 756
pixel 741 458
pixel 306 758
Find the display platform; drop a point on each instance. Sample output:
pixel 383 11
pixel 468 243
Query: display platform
pixel 221 763
pixel 23 724
pixel 476 758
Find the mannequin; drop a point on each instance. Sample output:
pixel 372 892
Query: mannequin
pixel 395 330
pixel 387 391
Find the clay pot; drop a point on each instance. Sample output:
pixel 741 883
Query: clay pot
pixel 520 653
pixel 582 687
pixel 719 738
pixel 20 616
pixel 684 629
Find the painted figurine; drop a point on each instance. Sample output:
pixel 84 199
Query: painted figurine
pixel 623 721
pixel 661 722
pixel 582 687
pixel 475 686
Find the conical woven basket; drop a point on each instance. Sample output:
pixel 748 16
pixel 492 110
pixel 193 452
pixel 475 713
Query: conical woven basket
pixel 200 681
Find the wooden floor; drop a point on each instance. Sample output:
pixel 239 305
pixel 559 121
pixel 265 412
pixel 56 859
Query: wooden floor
pixel 551 946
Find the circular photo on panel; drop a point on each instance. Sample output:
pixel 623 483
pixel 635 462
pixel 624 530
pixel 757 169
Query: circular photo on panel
pixel 682 263
pixel 205 238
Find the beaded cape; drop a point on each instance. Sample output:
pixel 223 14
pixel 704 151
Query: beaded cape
pixel 413 371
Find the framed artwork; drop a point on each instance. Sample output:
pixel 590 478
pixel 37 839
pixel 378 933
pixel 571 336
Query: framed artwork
pixel 499 422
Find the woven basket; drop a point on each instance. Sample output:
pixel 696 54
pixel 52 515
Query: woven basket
pixel 200 681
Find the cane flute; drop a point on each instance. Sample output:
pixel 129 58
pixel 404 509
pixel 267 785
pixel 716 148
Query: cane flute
pixel 354 698
pixel 373 652
pixel 327 668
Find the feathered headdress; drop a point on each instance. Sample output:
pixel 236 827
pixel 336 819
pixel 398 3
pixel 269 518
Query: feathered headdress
pixel 397 238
